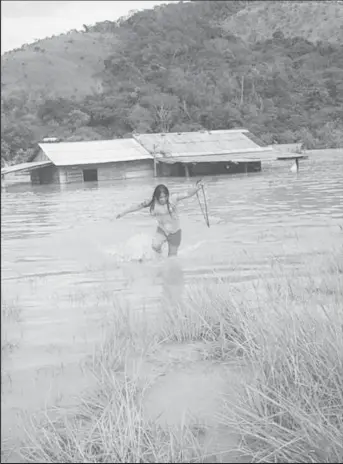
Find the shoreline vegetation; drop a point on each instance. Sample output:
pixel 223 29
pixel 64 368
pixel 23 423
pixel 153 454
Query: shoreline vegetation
pixel 277 348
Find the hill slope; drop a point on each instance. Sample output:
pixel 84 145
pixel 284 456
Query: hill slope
pixel 175 68
pixel 70 65
pixel 311 20
pixel 65 66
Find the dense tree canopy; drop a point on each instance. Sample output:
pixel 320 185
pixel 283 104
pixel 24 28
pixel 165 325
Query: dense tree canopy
pixel 175 68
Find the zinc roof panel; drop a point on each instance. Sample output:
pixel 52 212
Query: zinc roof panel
pixel 94 152
pixel 196 142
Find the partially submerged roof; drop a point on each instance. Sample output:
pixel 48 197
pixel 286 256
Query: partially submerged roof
pixel 200 143
pixel 247 158
pixel 94 152
pixel 236 145
pixel 25 167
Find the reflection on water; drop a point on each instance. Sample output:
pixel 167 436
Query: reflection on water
pixel 66 261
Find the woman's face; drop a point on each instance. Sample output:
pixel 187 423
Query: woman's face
pixel 163 198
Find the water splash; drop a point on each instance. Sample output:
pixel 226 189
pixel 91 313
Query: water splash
pixel 136 248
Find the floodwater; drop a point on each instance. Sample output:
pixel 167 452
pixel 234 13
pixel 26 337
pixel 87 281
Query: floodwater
pixel 67 263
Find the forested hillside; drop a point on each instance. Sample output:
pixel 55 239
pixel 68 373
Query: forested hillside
pixel 311 20
pixel 181 67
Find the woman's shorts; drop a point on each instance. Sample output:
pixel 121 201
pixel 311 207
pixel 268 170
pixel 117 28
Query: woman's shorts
pixel 172 239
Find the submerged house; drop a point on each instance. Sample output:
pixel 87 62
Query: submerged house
pixel 68 162
pixel 147 155
pixel 205 152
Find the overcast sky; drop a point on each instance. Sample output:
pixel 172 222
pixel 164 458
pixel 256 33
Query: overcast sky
pixel 25 21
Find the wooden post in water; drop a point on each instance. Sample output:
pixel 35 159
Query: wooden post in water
pixel 187 171
pixel 155 167
pixel 63 176
pixel 246 168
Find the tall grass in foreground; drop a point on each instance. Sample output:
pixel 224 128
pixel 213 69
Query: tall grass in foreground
pixel 108 427
pixel 108 423
pixel 293 411
pixel 287 331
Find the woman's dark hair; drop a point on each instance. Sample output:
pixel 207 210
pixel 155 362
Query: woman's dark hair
pixel 156 195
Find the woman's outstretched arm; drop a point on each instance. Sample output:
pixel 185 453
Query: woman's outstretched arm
pixel 189 193
pixel 134 208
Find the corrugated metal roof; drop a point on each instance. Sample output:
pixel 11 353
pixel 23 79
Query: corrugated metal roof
pixel 235 158
pixel 195 143
pixel 235 152
pixel 208 159
pixel 94 152
pixel 25 167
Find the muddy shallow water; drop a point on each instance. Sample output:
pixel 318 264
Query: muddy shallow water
pixel 66 262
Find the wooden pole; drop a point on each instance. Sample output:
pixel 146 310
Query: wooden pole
pixel 205 201
pixel 204 213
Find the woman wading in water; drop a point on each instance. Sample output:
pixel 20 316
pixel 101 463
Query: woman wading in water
pixel 164 207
